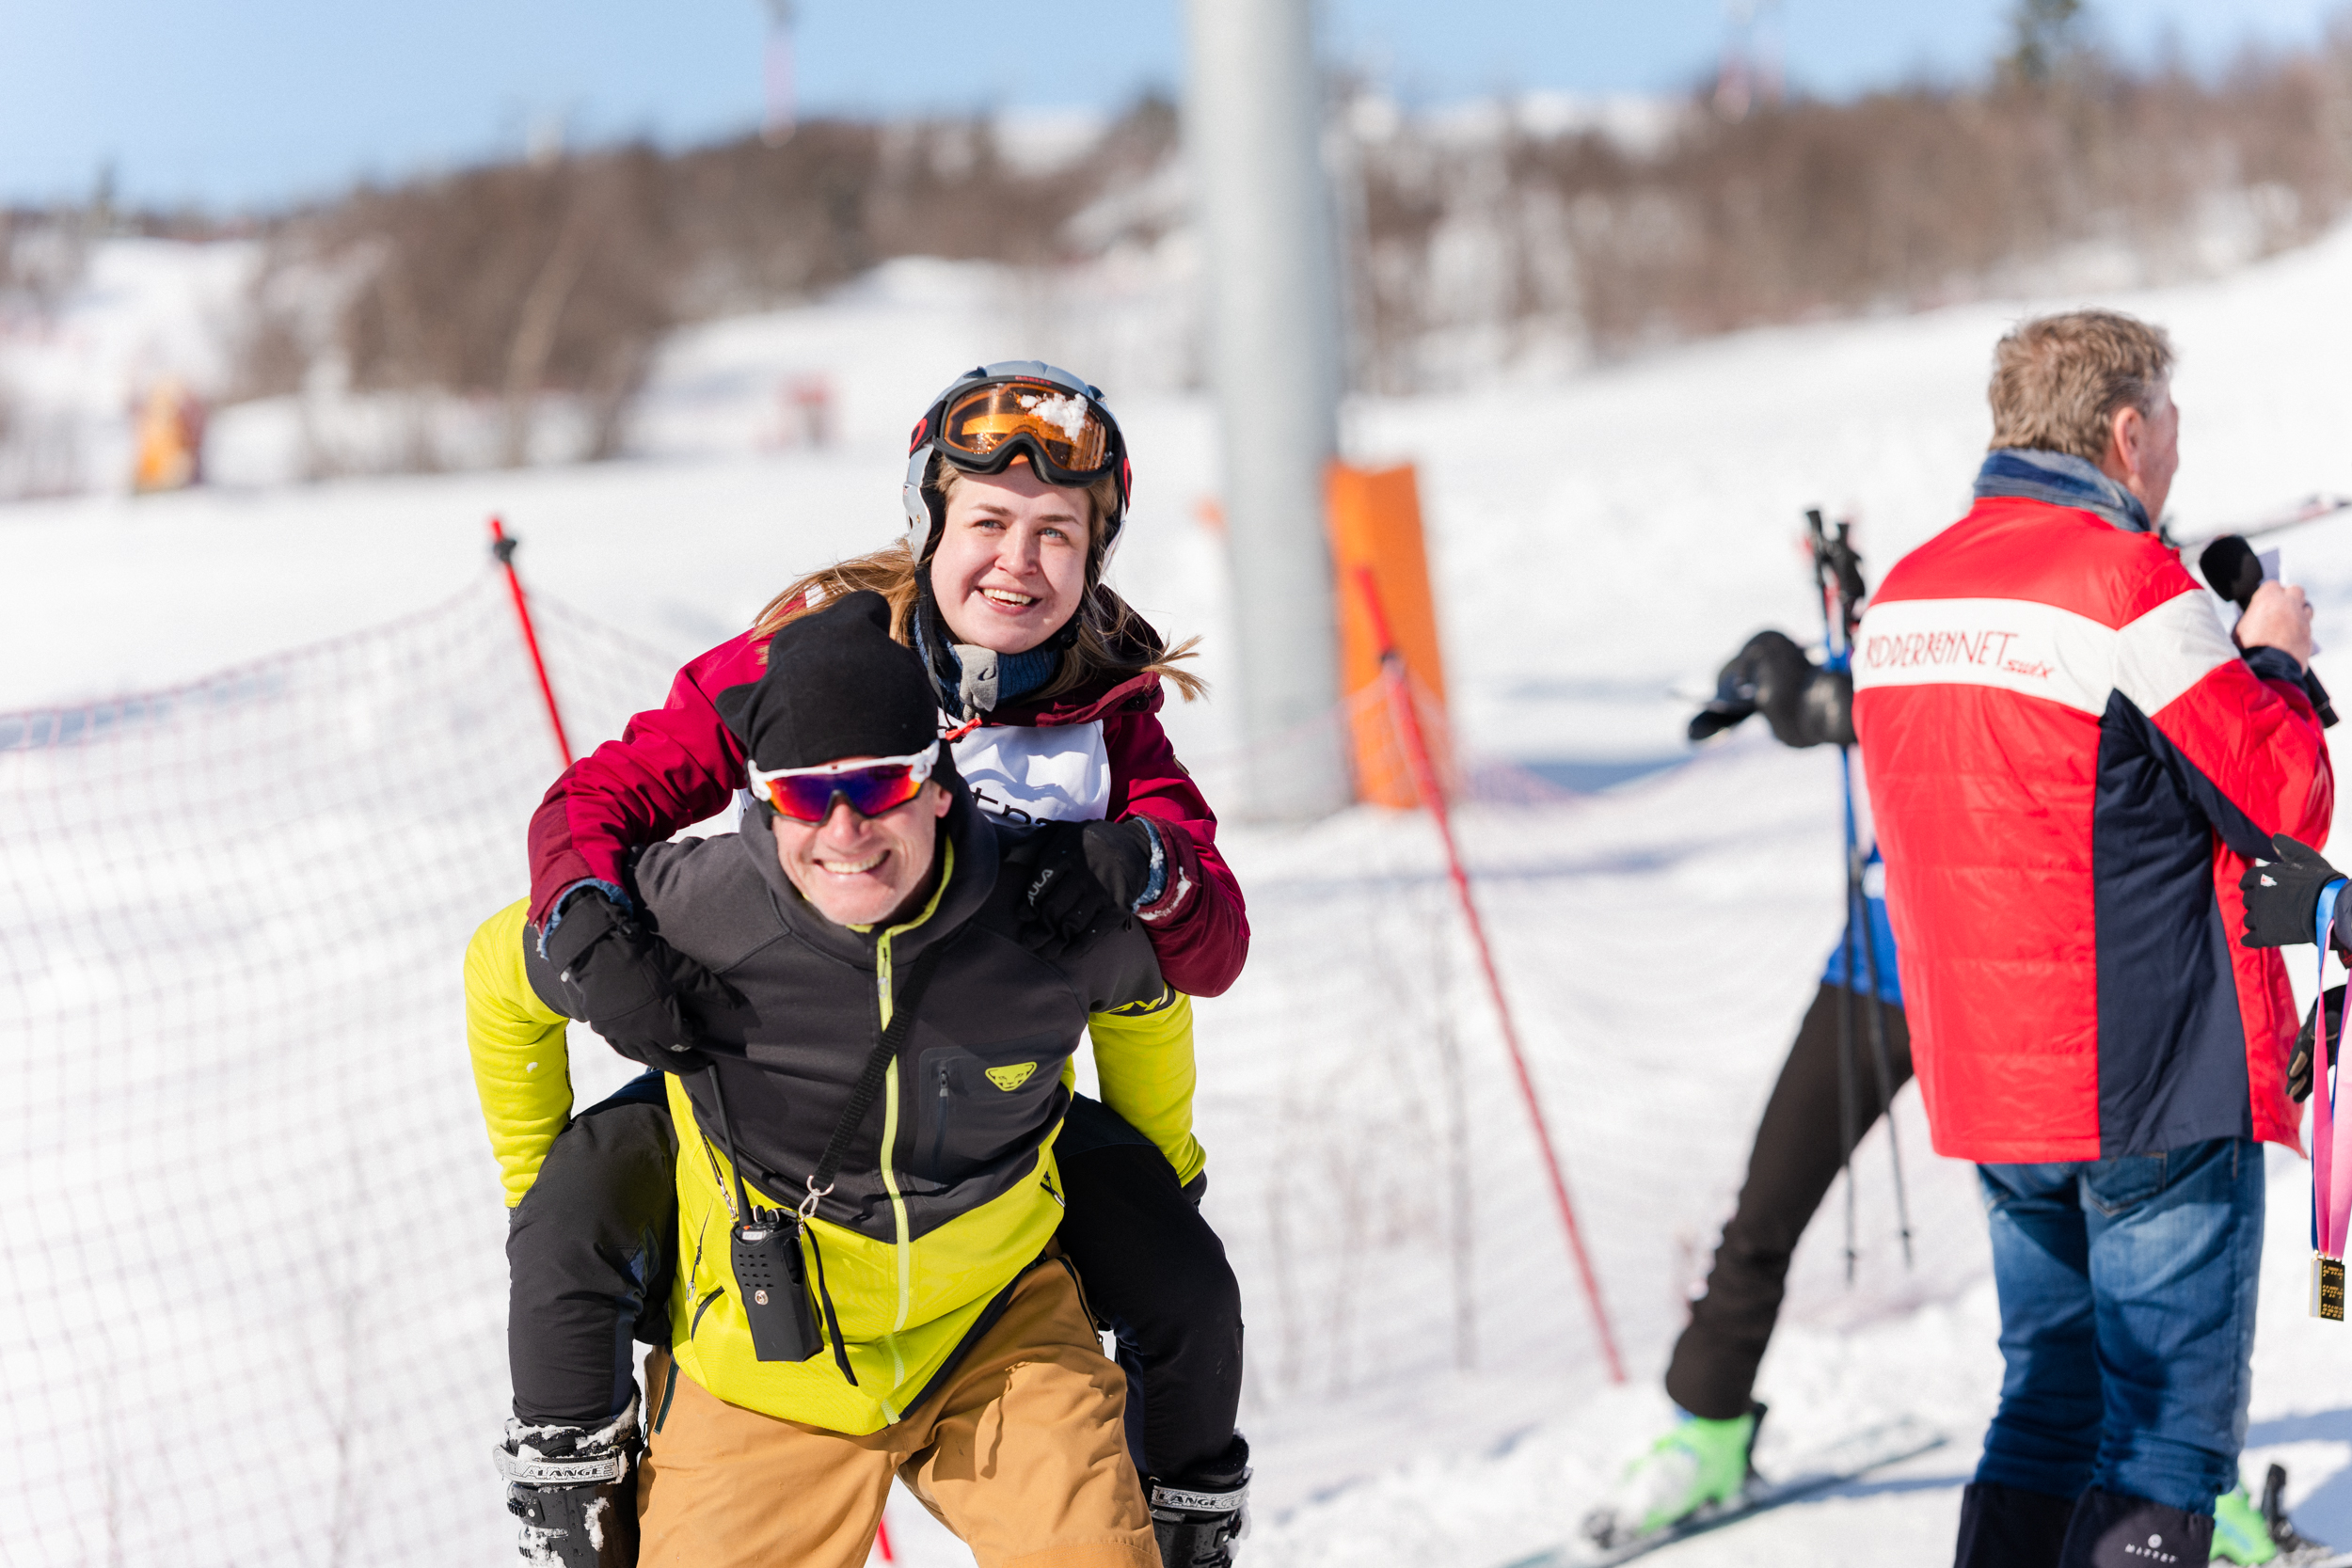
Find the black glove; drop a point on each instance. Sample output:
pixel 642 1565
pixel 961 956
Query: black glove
pixel 1083 879
pixel 642 994
pixel 2300 1064
pixel 1805 706
pixel 2282 896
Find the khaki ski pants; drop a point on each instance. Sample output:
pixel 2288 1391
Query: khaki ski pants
pixel 1023 1453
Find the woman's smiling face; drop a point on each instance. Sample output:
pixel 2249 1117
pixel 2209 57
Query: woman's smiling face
pixel 1011 561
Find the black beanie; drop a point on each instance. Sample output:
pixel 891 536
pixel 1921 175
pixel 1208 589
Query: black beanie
pixel 837 685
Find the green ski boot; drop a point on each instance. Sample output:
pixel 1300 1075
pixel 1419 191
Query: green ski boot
pixel 2247 1531
pixel 2240 1533
pixel 1699 1464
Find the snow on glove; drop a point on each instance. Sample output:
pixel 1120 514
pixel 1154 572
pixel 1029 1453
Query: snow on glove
pixel 2300 1064
pixel 2282 896
pixel 621 980
pixel 1083 879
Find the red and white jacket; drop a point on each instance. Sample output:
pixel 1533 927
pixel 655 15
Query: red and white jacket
pixel 2071 764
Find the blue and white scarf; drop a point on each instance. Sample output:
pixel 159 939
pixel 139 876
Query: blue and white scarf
pixel 2062 480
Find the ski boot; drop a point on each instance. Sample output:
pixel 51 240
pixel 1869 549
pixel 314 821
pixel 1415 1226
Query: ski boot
pixel 575 1491
pixel 2240 1533
pixel 1698 1465
pixel 2247 1531
pixel 1197 1519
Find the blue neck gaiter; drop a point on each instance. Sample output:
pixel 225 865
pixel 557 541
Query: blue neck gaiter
pixel 2062 480
pixel 984 679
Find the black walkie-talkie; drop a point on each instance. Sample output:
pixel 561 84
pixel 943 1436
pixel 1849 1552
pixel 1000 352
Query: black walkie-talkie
pixel 769 1271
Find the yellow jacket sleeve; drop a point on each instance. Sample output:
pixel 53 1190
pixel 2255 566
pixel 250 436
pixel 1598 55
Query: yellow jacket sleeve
pixel 1143 1061
pixel 521 1069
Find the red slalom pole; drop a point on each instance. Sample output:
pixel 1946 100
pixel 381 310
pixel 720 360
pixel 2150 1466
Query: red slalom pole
pixel 881 1539
pixel 1407 719
pixel 502 549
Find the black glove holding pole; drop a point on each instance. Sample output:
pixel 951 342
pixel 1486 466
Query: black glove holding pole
pixel 1806 705
pixel 1080 878
pixel 2282 896
pixel 2236 572
pixel 625 982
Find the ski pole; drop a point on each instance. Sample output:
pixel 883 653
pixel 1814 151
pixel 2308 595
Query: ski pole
pixel 503 551
pixel 1847 1094
pixel 1407 720
pixel 1829 582
pixel 1837 572
pixel 1860 909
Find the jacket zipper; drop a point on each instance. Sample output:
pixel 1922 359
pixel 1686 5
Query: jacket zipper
pixel 904 1245
pixel 905 1241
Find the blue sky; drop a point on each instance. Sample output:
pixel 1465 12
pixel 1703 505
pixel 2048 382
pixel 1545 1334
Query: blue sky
pixel 253 102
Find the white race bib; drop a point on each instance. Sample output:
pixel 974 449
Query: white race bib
pixel 1024 774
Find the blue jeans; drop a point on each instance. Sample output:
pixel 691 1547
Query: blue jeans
pixel 2127 1294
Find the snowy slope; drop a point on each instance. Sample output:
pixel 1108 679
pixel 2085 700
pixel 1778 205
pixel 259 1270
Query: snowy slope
pixel 1596 542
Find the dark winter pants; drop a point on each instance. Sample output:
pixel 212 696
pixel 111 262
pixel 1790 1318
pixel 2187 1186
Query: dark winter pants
pixel 1798 1152
pixel 1156 1276
pixel 589 1252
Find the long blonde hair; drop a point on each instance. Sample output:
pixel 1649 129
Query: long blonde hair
pixel 1110 634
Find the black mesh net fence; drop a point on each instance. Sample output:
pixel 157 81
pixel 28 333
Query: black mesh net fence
pixel 251 1232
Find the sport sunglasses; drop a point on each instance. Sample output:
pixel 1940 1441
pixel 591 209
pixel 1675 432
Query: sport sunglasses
pixel 1064 433
pixel 807 794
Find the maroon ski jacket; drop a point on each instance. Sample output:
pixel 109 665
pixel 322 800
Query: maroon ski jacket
pixel 679 764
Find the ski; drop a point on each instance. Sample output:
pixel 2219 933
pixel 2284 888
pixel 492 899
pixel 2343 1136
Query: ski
pixel 2311 509
pixel 1848 1459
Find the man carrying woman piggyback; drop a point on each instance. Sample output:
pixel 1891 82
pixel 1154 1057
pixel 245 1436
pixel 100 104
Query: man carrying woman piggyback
pixel 1047 686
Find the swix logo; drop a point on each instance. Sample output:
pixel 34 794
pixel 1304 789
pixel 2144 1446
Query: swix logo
pixel 2153 1551
pixel 1913 649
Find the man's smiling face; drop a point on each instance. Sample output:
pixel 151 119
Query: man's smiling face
pixel 862 870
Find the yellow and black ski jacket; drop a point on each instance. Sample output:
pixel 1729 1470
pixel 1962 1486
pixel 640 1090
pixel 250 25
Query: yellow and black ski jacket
pixel 949 1189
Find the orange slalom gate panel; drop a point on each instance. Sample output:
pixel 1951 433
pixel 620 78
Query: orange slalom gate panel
pixel 170 452
pixel 1376 523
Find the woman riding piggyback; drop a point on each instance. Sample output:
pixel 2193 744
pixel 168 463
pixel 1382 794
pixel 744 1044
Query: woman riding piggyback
pixel 1054 685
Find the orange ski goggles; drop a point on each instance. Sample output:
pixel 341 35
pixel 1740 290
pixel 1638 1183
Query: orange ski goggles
pixel 1061 430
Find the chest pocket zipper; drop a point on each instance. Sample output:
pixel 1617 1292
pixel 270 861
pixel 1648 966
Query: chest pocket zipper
pixel 946 1101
